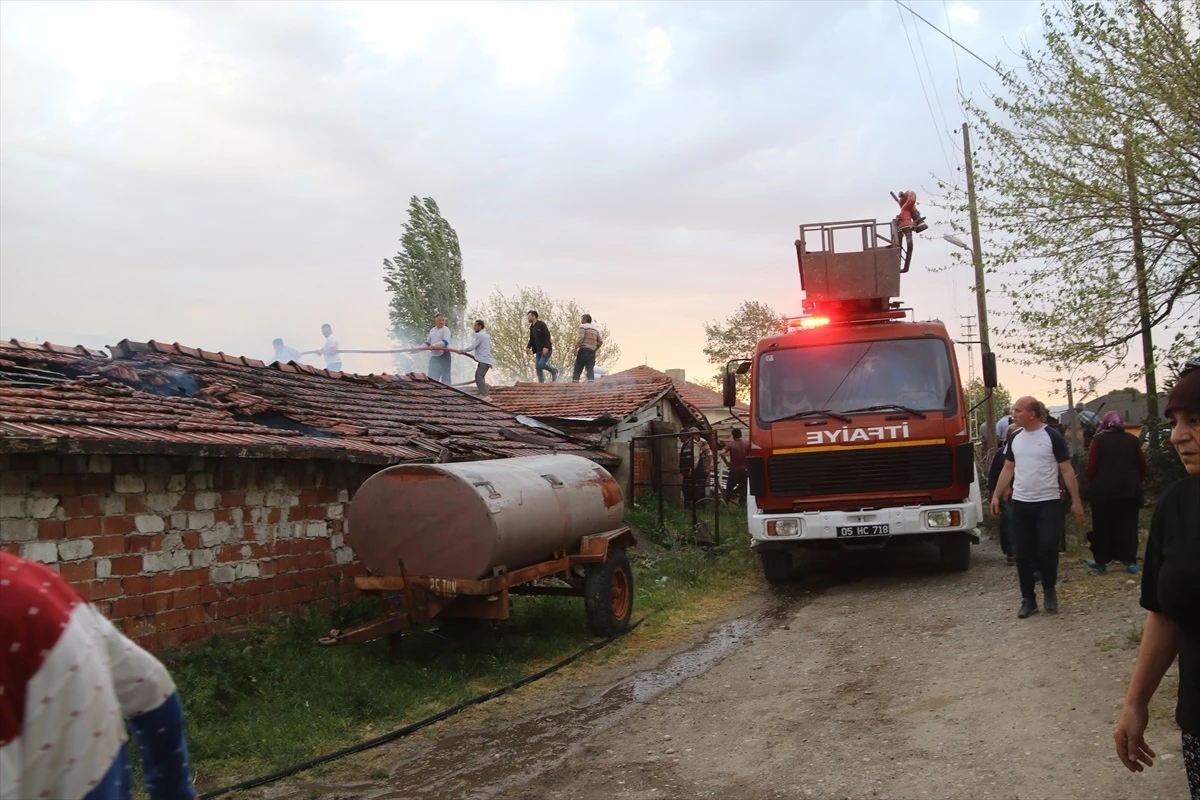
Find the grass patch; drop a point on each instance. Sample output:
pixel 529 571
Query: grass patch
pixel 273 698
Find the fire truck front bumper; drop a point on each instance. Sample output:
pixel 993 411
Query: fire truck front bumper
pixel 865 528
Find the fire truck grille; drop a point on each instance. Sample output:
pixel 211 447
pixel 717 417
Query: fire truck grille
pixel 901 469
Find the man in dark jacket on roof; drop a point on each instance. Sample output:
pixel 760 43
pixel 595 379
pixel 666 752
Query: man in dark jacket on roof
pixel 541 347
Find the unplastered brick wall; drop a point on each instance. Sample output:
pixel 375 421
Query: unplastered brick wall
pixel 175 548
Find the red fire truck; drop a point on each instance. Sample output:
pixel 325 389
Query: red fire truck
pixel 859 436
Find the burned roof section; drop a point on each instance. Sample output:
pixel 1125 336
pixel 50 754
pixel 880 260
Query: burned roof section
pixel 159 398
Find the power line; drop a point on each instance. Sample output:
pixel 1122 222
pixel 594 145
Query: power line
pixel 951 38
pixel 924 91
pixel 953 50
pixel 933 84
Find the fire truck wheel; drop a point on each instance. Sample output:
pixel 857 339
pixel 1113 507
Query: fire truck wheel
pixel 777 565
pixel 956 554
pixel 608 594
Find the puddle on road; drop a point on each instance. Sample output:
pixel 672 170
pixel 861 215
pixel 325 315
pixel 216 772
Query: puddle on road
pixel 482 763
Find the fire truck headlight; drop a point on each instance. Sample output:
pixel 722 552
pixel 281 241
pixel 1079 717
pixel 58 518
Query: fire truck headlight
pixel 783 527
pixel 943 519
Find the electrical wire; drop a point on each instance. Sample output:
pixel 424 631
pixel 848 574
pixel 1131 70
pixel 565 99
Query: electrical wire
pixel 924 91
pixel 953 50
pixel 951 38
pixel 937 97
pixel 400 733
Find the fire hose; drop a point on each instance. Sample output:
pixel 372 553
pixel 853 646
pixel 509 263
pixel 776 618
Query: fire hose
pixel 400 733
pixel 427 348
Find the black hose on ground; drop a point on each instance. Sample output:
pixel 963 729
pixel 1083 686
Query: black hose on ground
pixel 400 733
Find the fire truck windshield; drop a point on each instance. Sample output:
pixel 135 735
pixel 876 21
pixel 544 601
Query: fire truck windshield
pixel 852 377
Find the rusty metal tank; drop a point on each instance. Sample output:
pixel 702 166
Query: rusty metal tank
pixel 463 520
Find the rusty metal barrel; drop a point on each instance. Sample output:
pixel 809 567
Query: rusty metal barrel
pixel 464 520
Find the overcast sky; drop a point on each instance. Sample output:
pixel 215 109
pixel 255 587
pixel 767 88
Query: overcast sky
pixel 219 174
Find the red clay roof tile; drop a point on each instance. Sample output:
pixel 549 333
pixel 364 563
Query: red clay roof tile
pixel 234 405
pixel 697 395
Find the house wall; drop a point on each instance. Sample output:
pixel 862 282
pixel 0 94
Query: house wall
pixel 174 548
pixel 619 438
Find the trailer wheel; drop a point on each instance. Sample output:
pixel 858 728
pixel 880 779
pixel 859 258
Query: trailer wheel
pixel 956 554
pixel 776 565
pixel 608 594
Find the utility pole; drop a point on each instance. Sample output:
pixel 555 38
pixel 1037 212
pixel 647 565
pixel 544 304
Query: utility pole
pixel 980 290
pixel 1143 294
pixel 968 327
pixel 1074 417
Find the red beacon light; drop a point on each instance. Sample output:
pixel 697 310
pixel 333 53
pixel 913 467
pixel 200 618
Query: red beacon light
pixel 807 323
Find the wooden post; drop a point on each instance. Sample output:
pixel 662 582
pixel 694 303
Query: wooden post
pixel 980 290
pixel 1143 292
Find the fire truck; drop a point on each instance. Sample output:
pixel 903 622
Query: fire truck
pixel 859 434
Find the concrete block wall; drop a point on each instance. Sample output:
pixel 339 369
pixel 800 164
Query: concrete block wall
pixel 174 548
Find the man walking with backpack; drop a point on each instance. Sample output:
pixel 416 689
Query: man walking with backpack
pixel 1036 457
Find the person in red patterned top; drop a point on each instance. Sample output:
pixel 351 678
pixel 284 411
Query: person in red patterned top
pixel 68 683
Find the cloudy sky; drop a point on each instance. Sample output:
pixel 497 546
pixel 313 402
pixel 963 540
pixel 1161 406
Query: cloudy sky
pixel 219 174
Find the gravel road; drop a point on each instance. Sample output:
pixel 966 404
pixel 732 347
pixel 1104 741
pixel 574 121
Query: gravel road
pixel 879 676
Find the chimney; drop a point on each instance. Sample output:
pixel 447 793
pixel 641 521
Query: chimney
pixel 677 375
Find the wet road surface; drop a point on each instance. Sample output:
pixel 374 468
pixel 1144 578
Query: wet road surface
pixel 878 676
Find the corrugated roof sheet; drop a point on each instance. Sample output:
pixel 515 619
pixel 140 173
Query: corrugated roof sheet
pixel 154 397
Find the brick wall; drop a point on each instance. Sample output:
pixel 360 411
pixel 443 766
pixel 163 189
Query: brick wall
pixel 175 548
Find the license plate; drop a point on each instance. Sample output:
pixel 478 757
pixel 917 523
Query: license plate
pixel 863 530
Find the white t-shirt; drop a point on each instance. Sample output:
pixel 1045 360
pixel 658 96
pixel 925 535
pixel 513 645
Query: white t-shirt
pixel 438 337
pixel 334 360
pixel 1036 456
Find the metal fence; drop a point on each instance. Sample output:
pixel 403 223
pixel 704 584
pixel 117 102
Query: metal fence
pixel 673 469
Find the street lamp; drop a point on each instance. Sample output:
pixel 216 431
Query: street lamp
pixel 981 302
pixel 957 242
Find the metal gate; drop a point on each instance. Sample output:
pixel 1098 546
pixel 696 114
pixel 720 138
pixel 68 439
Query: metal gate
pixel 671 469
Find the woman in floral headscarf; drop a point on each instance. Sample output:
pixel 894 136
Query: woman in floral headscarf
pixel 1116 469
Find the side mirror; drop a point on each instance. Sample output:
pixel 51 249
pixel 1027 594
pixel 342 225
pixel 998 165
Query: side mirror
pixel 989 370
pixel 728 389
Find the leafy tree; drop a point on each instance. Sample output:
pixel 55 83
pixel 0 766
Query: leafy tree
pixel 505 317
pixel 1163 462
pixel 974 392
pixel 736 337
pixel 1089 175
pixel 425 279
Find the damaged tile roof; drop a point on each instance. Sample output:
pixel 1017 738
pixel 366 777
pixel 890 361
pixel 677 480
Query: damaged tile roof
pixel 693 393
pixel 600 401
pixel 159 398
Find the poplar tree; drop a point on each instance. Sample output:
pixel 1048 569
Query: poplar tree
pixel 425 278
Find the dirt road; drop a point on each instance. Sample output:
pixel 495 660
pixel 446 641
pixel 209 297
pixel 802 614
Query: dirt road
pixel 879 677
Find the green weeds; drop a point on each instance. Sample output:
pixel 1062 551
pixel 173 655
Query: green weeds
pixel 272 697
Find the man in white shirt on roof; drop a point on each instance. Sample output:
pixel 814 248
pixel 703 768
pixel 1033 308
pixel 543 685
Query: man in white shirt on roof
pixel 330 351
pixel 1035 460
pixel 439 361
pixel 482 348
pixel 285 353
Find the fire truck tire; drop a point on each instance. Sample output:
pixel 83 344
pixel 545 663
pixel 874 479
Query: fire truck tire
pixel 777 565
pixel 956 554
pixel 608 594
